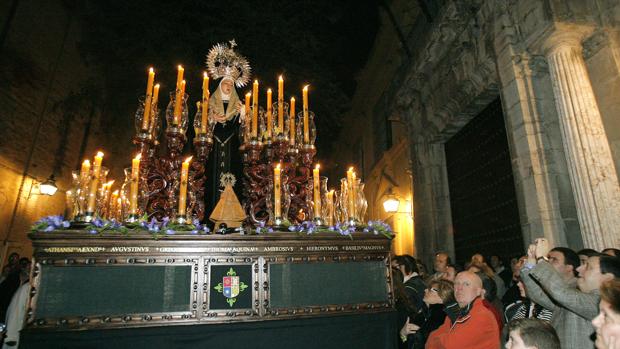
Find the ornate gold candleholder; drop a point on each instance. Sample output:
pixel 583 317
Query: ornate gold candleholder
pixel 300 184
pixel 256 177
pixel 202 147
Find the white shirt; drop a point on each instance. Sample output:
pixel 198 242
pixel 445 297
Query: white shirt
pixel 15 315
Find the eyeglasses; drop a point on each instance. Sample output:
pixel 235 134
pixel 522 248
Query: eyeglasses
pixel 432 289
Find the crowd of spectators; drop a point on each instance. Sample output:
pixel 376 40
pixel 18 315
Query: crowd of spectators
pixel 549 298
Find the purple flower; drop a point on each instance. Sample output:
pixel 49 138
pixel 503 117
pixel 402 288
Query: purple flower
pixel 165 221
pixel 169 231
pixel 98 222
pixel 49 228
pixel 93 231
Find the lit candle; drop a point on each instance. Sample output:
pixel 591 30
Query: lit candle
pixel 269 113
pixel 330 208
pixel 178 96
pixel 94 183
pixel 148 100
pixel 119 208
pixel 305 106
pixel 351 180
pixel 133 188
pixel 84 171
pixel 154 107
pixel 106 198
pixel 179 76
pixel 205 103
pixel 112 205
pixel 317 191
pixel 183 187
pixel 247 104
pixel 155 95
pixel 292 121
pixel 280 105
pixel 255 109
pixel 276 192
pixel 178 103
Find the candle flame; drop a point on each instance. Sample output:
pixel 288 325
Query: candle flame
pixel 151 70
pixel 278 167
pixel 99 154
pixel 204 75
pixel 268 90
pixel 138 157
pixel 86 162
pixel 317 166
pixel 306 87
pixel 331 191
pixel 157 86
pixel 248 95
pixel 280 78
pixel 188 159
pixel 180 67
pixel 115 193
pixel 109 184
pixel 293 99
pixel 351 168
pixel 255 82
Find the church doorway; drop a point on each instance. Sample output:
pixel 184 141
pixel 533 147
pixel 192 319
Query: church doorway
pixel 485 216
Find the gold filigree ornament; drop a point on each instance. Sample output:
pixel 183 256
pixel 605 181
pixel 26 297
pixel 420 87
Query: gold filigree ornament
pixel 223 61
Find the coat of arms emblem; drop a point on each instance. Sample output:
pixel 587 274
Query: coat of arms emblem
pixel 231 286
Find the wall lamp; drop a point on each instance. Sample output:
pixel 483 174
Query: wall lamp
pixel 391 202
pixel 48 187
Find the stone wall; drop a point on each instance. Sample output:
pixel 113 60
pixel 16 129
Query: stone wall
pixel 50 116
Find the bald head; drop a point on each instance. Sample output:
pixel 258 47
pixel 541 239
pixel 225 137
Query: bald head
pixel 467 287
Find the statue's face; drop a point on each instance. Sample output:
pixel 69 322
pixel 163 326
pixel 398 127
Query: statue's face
pixel 227 86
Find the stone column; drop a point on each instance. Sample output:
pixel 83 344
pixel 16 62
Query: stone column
pixel 432 214
pixel 590 162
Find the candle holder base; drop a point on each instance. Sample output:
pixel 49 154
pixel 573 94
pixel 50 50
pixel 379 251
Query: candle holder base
pixel 354 222
pixel 88 217
pixel 280 224
pixel 319 222
pixel 132 219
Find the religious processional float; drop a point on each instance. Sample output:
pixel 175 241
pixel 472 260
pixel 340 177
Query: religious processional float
pixel 282 189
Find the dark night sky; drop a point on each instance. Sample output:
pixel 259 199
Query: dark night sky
pixel 316 42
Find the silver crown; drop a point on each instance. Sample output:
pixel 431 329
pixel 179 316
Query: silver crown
pixel 223 61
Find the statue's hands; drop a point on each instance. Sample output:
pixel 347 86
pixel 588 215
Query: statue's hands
pixel 219 118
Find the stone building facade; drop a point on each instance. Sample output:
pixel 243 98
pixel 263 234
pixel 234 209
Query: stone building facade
pixel 50 115
pixel 555 66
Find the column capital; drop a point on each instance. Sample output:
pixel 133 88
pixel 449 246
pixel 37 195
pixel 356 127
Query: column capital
pixel 563 39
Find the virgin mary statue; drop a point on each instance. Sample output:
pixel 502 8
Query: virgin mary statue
pixel 226 115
